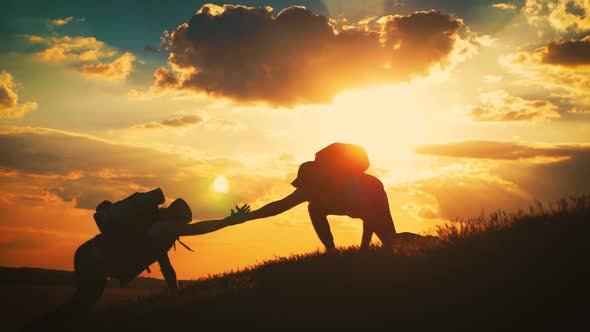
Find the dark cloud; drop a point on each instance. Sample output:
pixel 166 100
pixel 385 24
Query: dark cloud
pixel 499 150
pixel 297 57
pixel 568 53
pixel 418 41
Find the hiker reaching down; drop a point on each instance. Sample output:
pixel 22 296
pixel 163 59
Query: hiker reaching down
pixel 335 183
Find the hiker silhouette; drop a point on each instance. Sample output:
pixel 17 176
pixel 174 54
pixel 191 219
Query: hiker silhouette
pixel 123 255
pixel 335 183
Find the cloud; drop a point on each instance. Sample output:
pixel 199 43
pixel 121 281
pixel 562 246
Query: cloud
pixel 558 66
pixel 562 15
pixel 179 122
pixel 86 170
pixel 164 79
pixel 62 21
pixel 569 53
pixel 502 175
pixel 119 69
pixel 222 124
pixel 189 121
pixel 484 194
pixel 71 48
pixel 297 57
pixel 500 150
pixel 499 106
pixel 85 52
pixel 9 104
pixel 504 6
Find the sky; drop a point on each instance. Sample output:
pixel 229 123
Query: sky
pixel 464 107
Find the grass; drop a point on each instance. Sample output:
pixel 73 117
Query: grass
pixel 526 270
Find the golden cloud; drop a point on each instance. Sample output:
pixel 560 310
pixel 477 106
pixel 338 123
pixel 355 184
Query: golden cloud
pixel 502 175
pixel 86 170
pixel 119 69
pixel 499 106
pixel 62 21
pixel 179 122
pixel 298 57
pixel 9 104
pixel 558 66
pixel 190 121
pixel 563 15
pixel 71 48
pixel 501 150
pixel 504 6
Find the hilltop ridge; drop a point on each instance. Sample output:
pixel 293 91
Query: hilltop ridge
pixel 521 271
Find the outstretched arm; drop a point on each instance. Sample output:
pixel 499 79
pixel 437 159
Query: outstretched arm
pixel 203 227
pixel 168 271
pixel 277 207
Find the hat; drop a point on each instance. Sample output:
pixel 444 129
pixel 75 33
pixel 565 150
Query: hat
pixel 180 211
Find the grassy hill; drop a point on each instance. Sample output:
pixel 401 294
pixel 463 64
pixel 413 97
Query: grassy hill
pixel 521 271
pixel 28 276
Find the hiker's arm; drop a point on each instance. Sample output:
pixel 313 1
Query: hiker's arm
pixel 277 207
pixel 203 227
pixel 168 271
pixel 165 228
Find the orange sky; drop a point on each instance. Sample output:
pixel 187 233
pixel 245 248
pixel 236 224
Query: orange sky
pixel 464 108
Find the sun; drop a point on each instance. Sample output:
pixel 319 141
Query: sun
pixel 220 184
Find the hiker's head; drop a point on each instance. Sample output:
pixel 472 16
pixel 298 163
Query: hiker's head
pixel 306 175
pixel 179 211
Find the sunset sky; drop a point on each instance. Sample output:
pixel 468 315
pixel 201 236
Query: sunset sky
pixel 464 107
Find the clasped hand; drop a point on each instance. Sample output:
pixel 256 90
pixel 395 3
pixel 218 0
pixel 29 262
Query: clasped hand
pixel 238 215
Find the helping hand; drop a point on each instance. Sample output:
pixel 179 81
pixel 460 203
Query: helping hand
pixel 239 215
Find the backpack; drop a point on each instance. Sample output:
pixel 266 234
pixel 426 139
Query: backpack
pixel 135 212
pixel 343 159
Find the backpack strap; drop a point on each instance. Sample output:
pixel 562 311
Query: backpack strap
pixel 183 244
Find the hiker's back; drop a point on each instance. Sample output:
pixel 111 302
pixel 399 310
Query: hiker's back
pixel 127 256
pixel 124 245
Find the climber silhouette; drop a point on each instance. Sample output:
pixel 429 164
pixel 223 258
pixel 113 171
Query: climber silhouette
pixel 335 183
pixel 123 255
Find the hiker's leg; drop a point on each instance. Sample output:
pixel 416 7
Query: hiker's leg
pixel 320 223
pixel 385 231
pixel 91 279
pixel 367 235
pixel 90 284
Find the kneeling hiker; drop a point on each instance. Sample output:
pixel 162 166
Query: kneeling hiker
pixel 335 183
pixel 135 233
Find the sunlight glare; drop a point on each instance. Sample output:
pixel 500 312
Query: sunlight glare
pixel 385 120
pixel 220 184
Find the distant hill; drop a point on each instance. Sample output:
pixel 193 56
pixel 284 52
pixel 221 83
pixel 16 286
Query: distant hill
pixel 506 272
pixel 27 276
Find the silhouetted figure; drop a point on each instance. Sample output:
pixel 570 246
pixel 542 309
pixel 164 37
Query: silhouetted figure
pixel 335 183
pixel 124 255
